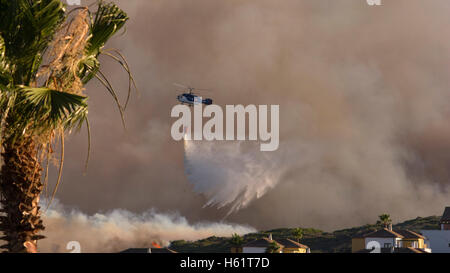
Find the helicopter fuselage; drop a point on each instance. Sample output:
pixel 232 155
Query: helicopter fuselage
pixel 192 99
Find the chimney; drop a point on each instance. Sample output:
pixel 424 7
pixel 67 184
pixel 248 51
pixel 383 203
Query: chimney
pixel 270 237
pixel 390 226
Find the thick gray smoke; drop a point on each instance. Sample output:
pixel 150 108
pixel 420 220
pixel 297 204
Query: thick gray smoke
pixel 118 230
pixel 363 94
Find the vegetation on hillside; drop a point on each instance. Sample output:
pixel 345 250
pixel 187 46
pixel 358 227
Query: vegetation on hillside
pixel 318 240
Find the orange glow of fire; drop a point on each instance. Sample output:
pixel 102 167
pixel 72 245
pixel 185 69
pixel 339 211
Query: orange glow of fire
pixel 156 245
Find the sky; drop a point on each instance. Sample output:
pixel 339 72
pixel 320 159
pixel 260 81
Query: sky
pixel 363 94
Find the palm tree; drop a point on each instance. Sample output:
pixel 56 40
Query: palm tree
pixel 236 240
pixel 298 234
pixel 47 55
pixel 385 220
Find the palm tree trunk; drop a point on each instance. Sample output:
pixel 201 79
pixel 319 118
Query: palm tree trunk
pixel 20 188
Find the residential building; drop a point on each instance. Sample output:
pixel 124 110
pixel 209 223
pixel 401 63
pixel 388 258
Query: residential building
pixel 236 249
pixel 358 243
pixel 291 246
pixel 285 246
pixel 259 246
pixel 412 239
pixel 394 250
pixel 148 250
pixel 445 219
pixel 387 240
pixel 439 240
pixel 384 238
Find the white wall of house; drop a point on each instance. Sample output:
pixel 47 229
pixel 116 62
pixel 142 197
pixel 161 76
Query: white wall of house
pixel 253 250
pixel 383 241
pixel 437 240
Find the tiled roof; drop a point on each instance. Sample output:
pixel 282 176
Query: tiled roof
pixel 408 250
pixel 288 243
pixel 408 234
pixel 446 215
pixel 264 242
pixel 383 233
pixel 148 250
pixel 358 236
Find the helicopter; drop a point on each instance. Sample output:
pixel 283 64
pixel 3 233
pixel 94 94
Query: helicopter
pixel 190 98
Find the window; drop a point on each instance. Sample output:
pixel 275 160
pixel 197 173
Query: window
pixel 387 245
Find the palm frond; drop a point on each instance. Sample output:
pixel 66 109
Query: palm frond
pixel 88 155
pixel 123 62
pixel 105 82
pixel 61 165
pixel 108 19
pixel 50 109
pixel 27 28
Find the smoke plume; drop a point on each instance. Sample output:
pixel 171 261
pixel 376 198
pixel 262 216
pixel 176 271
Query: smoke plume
pixel 363 94
pixel 118 230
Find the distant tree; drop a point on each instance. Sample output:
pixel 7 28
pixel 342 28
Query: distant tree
pixel 384 219
pixel 273 247
pixel 298 234
pixel 236 240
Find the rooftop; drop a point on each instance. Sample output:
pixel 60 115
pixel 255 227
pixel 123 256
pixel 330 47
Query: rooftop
pixel 408 234
pixel 383 233
pixel 446 215
pixel 148 250
pixel 264 242
pixel 288 243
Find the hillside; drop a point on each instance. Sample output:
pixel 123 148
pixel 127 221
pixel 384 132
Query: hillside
pixel 317 240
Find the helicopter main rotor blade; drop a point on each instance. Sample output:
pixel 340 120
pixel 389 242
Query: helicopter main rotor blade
pixel 180 85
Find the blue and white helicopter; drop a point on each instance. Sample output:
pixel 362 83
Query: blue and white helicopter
pixel 189 97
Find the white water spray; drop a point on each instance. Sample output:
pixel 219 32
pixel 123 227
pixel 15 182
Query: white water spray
pixel 230 173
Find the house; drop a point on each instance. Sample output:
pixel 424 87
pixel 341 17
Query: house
pixel 445 219
pixel 285 246
pixel 412 239
pixel 259 246
pixel 236 249
pixel 148 250
pixel 383 238
pixel 387 240
pixel 291 246
pixel 358 243
pixel 395 250
pixel 439 240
